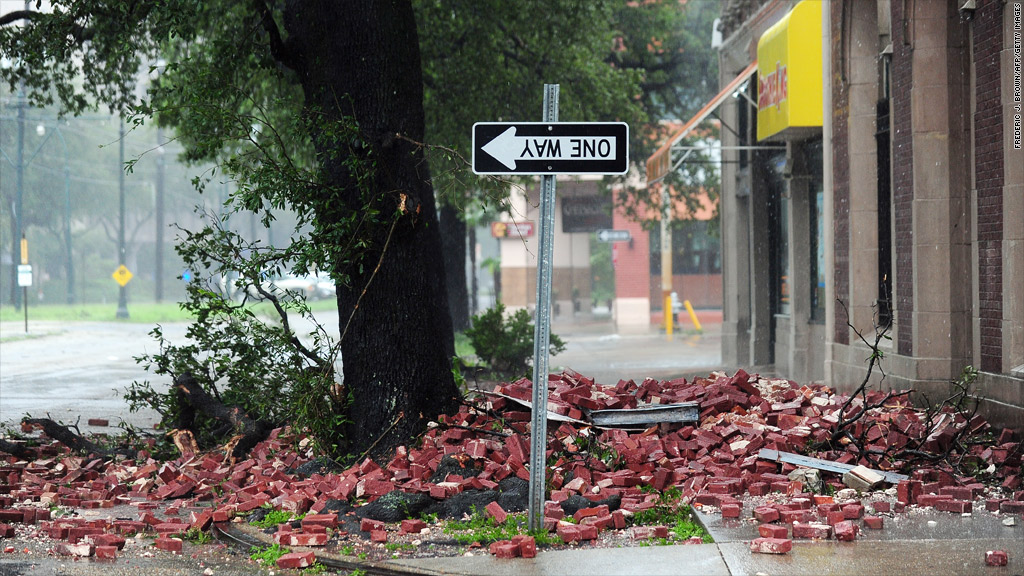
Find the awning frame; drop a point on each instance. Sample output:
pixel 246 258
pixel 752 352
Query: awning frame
pixel 677 154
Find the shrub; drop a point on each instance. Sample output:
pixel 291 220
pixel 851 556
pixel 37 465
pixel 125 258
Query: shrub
pixel 506 344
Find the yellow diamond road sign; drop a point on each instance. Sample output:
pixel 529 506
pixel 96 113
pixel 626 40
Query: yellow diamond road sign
pixel 122 275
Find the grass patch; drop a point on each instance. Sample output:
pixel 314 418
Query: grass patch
pixel 274 518
pixel 484 530
pixel 267 555
pixel 138 312
pixel 198 536
pixel 670 512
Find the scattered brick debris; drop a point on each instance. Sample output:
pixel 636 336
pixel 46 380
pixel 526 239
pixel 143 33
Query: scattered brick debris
pixel 600 478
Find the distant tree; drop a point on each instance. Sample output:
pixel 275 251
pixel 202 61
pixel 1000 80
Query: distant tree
pixel 316 107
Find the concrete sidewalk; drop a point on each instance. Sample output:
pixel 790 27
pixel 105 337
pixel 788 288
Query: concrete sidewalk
pixel 924 542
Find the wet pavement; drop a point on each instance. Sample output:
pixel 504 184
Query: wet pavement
pixel 914 542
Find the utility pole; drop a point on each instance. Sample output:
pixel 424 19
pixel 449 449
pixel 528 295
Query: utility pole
pixel 159 243
pixel 122 296
pixel 19 198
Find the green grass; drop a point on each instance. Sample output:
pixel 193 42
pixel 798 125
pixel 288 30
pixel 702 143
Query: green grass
pixel 138 312
pixel 670 512
pixel 463 348
pixel 485 530
pixel 267 556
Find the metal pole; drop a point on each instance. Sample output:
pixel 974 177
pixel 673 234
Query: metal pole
pixel 542 331
pixel 70 270
pixel 159 243
pixel 122 295
pixel 19 198
pixel 666 259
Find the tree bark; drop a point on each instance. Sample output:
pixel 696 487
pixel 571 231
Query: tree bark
pixel 453 243
pixel 360 61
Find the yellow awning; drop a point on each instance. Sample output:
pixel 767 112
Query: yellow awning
pixel 789 82
pixel 660 163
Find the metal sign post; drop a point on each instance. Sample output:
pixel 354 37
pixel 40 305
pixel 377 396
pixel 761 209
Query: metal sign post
pixel 548 148
pixel 542 331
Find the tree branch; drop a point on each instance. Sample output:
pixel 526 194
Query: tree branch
pixel 278 48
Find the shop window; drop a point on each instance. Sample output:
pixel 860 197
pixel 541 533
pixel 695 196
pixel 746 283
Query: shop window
pixel 782 255
pixel 696 248
pixel 816 190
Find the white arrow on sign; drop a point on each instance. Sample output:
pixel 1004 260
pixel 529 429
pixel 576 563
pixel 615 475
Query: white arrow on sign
pixel 507 148
pixel 614 236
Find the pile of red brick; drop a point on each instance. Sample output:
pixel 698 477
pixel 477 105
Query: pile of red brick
pixel 713 463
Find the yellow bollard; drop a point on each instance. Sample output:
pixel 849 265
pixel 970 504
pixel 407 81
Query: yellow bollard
pixel 693 317
pixel 668 317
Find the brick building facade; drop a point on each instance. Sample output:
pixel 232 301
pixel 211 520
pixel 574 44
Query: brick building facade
pixel 922 197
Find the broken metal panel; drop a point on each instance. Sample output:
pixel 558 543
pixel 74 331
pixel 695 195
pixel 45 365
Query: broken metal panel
pixel 640 417
pixel 827 465
pixel 651 414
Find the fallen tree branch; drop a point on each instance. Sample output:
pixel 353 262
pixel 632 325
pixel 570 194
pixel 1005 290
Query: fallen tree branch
pixel 17 450
pixel 250 431
pixel 65 436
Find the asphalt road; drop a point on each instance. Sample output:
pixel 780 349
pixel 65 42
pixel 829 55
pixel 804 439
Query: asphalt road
pixel 80 370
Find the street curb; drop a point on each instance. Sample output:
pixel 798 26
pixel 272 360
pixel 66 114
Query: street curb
pixel 228 534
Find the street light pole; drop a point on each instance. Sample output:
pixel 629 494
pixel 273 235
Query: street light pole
pixel 159 242
pixel 122 296
pixel 19 199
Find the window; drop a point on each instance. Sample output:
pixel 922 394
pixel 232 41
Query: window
pixel 696 248
pixel 816 189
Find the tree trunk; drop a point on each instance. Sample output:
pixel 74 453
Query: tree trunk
pixel 360 61
pixel 453 243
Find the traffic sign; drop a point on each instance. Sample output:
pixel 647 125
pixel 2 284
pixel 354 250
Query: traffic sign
pixel 614 235
pixel 24 275
pixel 550 148
pixel 122 275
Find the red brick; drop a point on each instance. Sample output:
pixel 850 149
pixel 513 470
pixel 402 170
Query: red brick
pixel 100 422
pixel 494 510
pixel 107 540
pixel 958 506
pixel 880 506
pixel 771 545
pixel 106 552
pixel 619 519
pixel 412 526
pixel 873 522
pixel 567 532
pixel 996 558
pixel 527 546
pixel 813 530
pixel 367 525
pixel 308 538
pixel 83 549
pixel 504 549
pixel 328 520
pixel 6 531
pixel 588 512
pixel 907 491
pixel 378 536
pixel 731 510
pixel 1011 507
pixel 772 531
pixel 846 531
pixel 588 532
pixel 169 544
pixel 853 511
pixel 294 560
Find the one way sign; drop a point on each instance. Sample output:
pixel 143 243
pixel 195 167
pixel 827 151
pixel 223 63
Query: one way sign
pixel 550 148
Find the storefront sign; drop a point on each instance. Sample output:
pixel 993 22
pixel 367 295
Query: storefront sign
pixel 789 75
pixel 586 214
pixel 511 229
